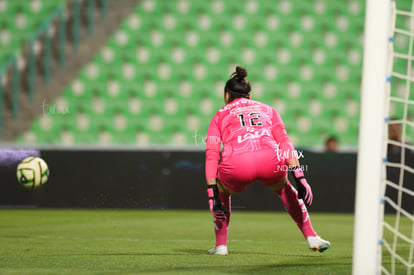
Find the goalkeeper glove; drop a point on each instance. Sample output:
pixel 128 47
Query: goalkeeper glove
pixel 217 208
pixel 304 189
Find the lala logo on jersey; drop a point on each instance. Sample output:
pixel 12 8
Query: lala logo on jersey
pixel 255 134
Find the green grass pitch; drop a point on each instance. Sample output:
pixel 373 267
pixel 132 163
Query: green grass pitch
pixel 49 241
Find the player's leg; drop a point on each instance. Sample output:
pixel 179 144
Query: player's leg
pixel 295 207
pixel 232 179
pixel 299 213
pixel 273 173
pixel 221 227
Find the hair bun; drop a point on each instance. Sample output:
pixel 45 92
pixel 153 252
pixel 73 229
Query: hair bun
pixel 241 72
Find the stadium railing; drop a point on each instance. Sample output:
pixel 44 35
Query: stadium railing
pixel 39 45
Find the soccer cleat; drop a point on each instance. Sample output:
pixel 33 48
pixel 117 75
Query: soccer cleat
pixel 218 250
pixel 318 244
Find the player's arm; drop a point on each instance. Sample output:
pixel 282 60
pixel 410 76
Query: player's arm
pixel 213 143
pixel 287 149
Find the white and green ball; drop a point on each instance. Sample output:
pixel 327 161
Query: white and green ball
pixel 32 172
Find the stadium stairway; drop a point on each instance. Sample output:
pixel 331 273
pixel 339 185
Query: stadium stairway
pixel 177 52
pixel 63 75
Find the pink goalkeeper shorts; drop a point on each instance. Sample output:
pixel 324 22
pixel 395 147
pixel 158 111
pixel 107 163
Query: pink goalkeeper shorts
pixel 243 169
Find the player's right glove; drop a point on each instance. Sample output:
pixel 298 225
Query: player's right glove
pixel 217 208
pixel 304 189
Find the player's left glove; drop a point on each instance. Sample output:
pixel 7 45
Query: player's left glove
pixel 304 189
pixel 217 208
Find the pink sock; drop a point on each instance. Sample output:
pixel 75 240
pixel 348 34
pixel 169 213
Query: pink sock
pixel 296 209
pixel 221 227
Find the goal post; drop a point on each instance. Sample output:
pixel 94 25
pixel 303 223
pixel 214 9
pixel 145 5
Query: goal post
pixel 372 133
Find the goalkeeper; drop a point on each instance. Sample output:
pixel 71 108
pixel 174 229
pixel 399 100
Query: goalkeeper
pixel 255 147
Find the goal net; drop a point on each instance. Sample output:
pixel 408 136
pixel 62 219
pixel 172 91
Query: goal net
pixel 397 240
pixel 384 208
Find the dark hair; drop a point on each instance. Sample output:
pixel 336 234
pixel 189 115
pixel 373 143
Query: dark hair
pixel 237 86
pixel 331 139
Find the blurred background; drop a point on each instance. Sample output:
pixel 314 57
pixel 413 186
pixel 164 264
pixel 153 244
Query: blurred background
pixel 152 72
pixel 149 75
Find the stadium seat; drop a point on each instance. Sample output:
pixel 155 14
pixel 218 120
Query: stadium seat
pixel 19 19
pixel 161 75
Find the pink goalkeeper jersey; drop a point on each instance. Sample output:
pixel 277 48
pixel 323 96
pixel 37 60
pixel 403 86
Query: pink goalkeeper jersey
pixel 244 126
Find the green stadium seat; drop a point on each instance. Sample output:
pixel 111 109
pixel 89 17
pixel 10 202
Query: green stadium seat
pixel 19 19
pixel 161 75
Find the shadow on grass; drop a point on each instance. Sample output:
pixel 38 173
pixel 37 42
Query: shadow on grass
pixel 192 251
pixel 16 236
pixel 240 268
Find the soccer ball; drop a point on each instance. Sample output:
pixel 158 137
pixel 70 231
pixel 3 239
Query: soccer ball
pixel 32 172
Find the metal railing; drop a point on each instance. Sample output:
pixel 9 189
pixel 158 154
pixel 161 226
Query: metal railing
pixel 11 77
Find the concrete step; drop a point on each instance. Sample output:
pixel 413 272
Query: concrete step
pixel 61 76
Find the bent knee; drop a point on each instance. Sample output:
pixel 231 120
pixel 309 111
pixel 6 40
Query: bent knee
pixel 223 189
pixel 279 185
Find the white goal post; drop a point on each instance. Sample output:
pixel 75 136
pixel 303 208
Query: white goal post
pixel 372 126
